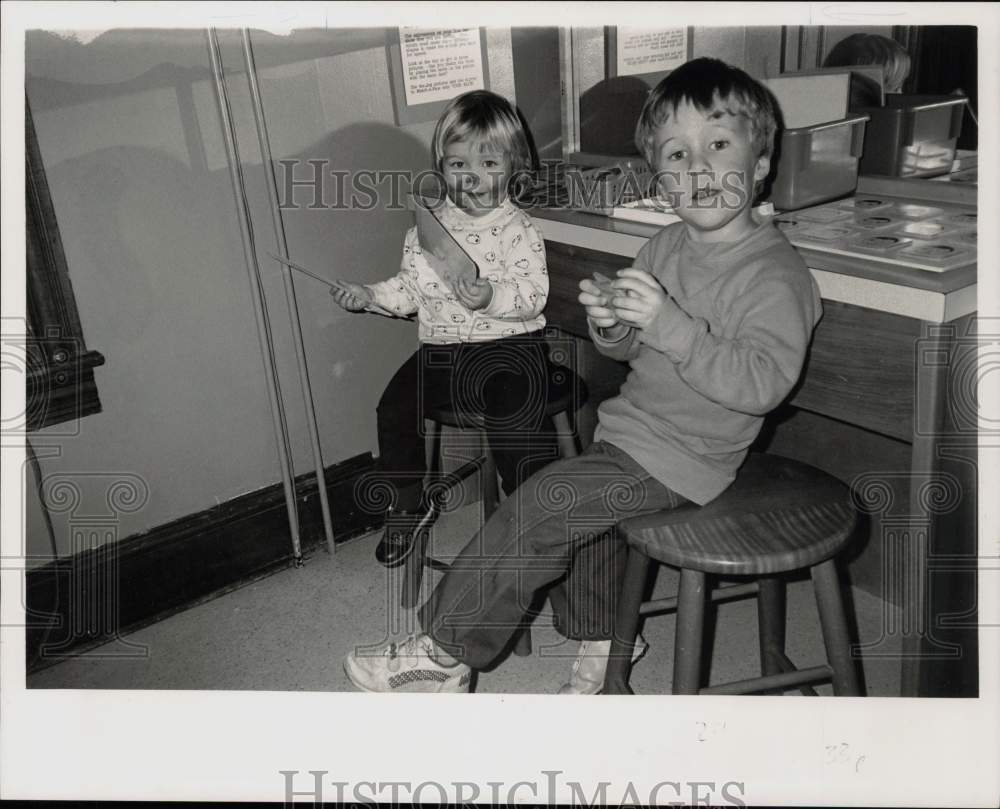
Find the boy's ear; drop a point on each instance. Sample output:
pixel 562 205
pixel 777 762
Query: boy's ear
pixel 762 168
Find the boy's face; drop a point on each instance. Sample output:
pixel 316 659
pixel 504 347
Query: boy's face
pixel 476 177
pixel 708 167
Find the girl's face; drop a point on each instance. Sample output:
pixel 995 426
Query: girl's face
pixel 476 176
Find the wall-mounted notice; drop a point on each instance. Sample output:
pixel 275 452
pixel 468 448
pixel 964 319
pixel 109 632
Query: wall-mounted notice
pixel 440 63
pixel 650 50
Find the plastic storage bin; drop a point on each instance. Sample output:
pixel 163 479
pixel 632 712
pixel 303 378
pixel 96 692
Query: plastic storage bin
pixel 912 135
pixel 818 163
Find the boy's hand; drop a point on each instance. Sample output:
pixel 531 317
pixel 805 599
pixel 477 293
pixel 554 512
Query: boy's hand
pixel 597 302
pixel 474 293
pixel 640 298
pixel 352 297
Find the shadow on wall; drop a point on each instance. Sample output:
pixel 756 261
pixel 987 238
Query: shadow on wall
pixel 347 194
pixel 344 209
pixel 154 253
pixel 608 114
pixel 346 229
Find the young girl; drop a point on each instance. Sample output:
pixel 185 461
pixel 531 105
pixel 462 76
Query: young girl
pixel 481 347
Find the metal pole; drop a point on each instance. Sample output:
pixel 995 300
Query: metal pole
pixel 286 274
pixel 256 292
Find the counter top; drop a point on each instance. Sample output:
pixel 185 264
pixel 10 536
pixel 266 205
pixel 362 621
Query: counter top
pixel 937 297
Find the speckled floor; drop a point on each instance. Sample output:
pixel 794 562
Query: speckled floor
pixel 291 630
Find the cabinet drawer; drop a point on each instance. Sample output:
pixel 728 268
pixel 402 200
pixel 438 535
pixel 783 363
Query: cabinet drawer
pixel 861 369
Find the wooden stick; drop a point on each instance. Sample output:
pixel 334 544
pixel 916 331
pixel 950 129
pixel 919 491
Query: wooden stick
pixel 373 307
pixel 301 269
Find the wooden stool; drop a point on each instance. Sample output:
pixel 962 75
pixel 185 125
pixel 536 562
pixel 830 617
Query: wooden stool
pixel 778 516
pixel 566 393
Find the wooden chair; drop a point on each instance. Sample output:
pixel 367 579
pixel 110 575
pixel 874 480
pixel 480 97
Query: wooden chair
pixel 778 516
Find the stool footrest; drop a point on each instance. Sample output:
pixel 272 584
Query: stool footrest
pixel 467 469
pixel 727 593
pixel 785 680
pixel 787 665
pixel 437 564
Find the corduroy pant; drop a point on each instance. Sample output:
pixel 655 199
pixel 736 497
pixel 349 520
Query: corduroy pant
pixel 555 534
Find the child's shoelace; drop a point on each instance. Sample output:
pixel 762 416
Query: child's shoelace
pixel 407 649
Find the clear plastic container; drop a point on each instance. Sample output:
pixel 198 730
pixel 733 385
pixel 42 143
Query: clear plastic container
pixel 818 163
pixel 912 135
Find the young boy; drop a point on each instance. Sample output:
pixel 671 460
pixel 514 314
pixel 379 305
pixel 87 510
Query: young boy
pixel 714 318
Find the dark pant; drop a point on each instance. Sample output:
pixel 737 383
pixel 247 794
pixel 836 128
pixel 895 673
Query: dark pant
pixel 556 529
pixel 505 381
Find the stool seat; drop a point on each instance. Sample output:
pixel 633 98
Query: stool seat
pixel 779 515
pixel 566 392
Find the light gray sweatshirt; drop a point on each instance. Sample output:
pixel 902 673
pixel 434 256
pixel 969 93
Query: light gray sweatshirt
pixel 726 348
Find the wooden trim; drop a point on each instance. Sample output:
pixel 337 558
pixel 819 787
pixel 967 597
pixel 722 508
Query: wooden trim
pixel 147 577
pixel 59 382
pixel 943 532
pixel 59 391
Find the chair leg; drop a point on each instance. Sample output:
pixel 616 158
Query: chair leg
pixel 834 625
pixel 413 571
pixel 490 486
pixel 771 623
pixel 432 448
pixel 565 435
pixel 626 623
pixel 689 632
pixel 522 645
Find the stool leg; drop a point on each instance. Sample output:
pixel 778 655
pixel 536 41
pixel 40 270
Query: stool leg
pixel 834 624
pixel 490 487
pixel 565 435
pixel 771 624
pixel 432 447
pixel 626 623
pixel 413 572
pixel 413 567
pixel 689 632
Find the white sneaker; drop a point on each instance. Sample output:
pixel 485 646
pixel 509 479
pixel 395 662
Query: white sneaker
pixel 406 667
pixel 591 664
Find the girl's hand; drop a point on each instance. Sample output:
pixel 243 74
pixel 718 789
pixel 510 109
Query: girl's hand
pixel 640 298
pixel 475 293
pixel 436 264
pixel 598 304
pixel 352 297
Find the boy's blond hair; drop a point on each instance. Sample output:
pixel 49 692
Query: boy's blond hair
pixel 709 84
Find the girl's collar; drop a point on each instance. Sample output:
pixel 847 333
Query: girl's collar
pixel 453 214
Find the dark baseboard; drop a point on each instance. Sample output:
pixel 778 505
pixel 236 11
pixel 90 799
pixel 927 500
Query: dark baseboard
pixel 95 597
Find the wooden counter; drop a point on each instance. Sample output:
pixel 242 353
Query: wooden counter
pixel 894 355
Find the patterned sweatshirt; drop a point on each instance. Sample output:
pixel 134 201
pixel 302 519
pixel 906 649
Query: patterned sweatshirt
pixel 726 348
pixel 511 255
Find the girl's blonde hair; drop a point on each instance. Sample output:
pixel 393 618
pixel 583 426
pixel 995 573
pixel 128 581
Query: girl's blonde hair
pixel 489 119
